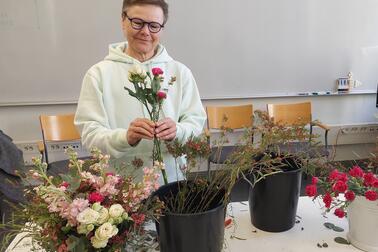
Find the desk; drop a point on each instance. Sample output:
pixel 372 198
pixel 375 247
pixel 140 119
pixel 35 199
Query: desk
pixel 293 240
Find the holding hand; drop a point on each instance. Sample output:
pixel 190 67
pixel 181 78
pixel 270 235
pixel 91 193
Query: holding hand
pixel 166 129
pixel 138 129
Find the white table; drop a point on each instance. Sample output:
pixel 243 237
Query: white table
pixel 293 240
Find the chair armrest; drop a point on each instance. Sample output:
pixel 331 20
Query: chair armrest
pixel 323 126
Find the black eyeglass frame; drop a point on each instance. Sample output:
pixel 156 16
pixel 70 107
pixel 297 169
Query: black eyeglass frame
pixel 143 22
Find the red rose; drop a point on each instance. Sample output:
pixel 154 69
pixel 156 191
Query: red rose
pixel 369 179
pixel 327 199
pixel 95 197
pixel 311 190
pixel 161 95
pixel 371 195
pixel 349 195
pixel 339 213
pixel 356 172
pixel 340 186
pixel 157 71
pixel 314 180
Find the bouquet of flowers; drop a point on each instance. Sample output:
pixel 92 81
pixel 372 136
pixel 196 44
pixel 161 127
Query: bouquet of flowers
pixel 353 183
pixel 87 209
pixel 147 89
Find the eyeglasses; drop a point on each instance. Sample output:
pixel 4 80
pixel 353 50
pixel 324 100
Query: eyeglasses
pixel 138 24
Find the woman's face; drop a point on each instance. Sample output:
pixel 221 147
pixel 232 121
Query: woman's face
pixel 142 43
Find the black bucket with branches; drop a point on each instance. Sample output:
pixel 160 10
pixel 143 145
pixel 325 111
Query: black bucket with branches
pixel 193 218
pixel 273 200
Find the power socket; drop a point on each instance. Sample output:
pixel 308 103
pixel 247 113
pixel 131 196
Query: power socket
pixel 29 150
pixel 56 151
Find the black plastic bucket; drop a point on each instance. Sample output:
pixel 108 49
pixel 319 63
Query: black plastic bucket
pixel 273 201
pixel 199 232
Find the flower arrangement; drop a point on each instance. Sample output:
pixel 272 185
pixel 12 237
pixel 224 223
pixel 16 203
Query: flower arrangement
pixel 352 184
pixel 87 209
pixel 147 89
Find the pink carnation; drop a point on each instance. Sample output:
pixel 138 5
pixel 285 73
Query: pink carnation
pixel 340 186
pixel 161 95
pixel 356 172
pixel 339 212
pixel 95 197
pixel 350 196
pixel 157 71
pixel 369 179
pixel 311 190
pixel 314 180
pixel 371 195
pixel 334 175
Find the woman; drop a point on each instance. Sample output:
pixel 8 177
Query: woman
pixel 113 121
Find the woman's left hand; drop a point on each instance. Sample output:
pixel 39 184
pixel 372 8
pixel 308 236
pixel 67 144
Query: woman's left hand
pixel 166 129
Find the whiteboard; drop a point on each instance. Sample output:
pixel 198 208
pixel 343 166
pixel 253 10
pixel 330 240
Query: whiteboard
pixel 234 48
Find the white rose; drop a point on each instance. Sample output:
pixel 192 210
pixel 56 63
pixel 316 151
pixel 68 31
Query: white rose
pixel 104 215
pixel 116 211
pixel 105 231
pixel 99 243
pixel 88 216
pixel 137 69
pixel 82 229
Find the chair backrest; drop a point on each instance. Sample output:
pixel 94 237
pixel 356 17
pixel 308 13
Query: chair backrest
pixel 237 116
pixel 58 127
pixel 290 113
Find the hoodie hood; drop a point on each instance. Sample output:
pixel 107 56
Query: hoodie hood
pixel 116 53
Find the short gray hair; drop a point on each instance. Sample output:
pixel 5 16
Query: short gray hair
pixel 160 3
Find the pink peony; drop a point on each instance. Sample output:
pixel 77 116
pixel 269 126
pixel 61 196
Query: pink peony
pixel 157 71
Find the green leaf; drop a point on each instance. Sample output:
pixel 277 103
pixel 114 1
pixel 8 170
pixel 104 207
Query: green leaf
pixel 342 240
pixel 329 225
pixel 76 244
pixel 337 229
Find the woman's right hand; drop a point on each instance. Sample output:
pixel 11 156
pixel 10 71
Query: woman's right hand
pixel 138 129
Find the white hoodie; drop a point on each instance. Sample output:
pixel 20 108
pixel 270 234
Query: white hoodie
pixel 105 109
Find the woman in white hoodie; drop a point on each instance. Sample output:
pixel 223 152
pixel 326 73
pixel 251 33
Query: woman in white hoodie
pixel 113 121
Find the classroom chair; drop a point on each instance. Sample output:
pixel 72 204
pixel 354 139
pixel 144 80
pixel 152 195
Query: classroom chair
pixel 59 133
pixel 221 117
pixel 298 113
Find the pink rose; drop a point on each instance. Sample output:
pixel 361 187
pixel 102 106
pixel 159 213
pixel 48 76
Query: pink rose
pixel 109 174
pixel 356 172
pixel 311 190
pixel 349 195
pixel 371 195
pixel 157 71
pixel 64 184
pixel 95 197
pixel 339 213
pixel 161 95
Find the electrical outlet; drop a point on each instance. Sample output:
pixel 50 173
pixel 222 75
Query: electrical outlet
pixel 56 151
pixel 29 151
